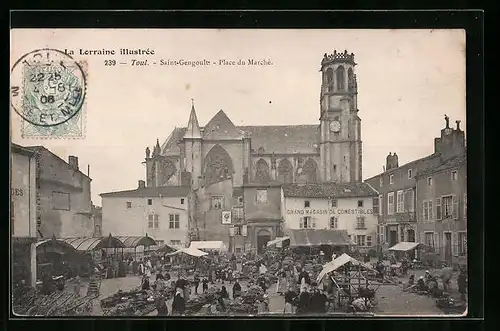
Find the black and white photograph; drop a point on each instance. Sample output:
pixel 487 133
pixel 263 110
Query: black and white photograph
pixel 238 172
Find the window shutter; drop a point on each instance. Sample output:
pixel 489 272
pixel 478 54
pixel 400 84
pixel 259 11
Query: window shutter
pixel 436 242
pixel 439 209
pixel 244 230
pixel 454 242
pixel 231 231
pixel 455 201
pixel 431 210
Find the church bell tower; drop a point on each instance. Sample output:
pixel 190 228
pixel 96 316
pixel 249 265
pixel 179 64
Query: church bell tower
pixel 340 140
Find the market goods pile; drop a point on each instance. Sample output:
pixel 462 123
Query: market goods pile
pixel 132 303
pixel 209 297
pixel 33 303
pixel 246 304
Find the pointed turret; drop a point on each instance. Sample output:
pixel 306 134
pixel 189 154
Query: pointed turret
pixel 193 128
pixel 157 149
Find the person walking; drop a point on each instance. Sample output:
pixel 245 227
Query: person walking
pixel 290 297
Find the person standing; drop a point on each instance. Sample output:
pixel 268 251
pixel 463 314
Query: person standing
pixel 303 303
pixel 233 262
pixel 205 285
pixel 462 284
pixel 236 289
pixel 196 281
pixel 178 304
pixel 290 297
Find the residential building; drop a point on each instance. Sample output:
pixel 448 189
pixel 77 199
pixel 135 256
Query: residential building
pixel 333 206
pixel 62 196
pixel 159 212
pixel 442 209
pixel 97 220
pixel 23 212
pixel 397 187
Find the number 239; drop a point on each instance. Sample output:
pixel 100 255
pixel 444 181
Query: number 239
pixel 109 62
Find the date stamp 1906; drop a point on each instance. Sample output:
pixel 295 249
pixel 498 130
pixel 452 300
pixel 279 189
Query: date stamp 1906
pixel 48 91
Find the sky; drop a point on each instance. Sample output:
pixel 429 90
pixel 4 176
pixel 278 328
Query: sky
pixel 407 81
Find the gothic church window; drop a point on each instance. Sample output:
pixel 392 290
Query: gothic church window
pixel 341 78
pixel 308 172
pixel 329 79
pixel 285 171
pixel 218 165
pixel 262 172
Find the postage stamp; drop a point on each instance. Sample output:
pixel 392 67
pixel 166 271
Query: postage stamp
pixel 48 90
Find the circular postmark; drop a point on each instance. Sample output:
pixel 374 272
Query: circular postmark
pixel 47 87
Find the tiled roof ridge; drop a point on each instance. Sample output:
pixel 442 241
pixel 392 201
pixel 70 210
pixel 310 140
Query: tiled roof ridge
pixel 449 163
pixel 147 189
pixel 422 159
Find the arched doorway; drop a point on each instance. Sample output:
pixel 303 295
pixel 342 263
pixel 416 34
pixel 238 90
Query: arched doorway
pixel 263 237
pixel 410 235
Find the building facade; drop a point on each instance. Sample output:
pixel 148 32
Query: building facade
pixel 262 210
pixel 23 212
pixel 442 209
pixel 333 206
pixel 219 158
pixel 398 191
pixel 159 212
pixel 62 196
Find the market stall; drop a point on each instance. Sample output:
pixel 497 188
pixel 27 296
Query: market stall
pixel 279 242
pixel 351 280
pixel 217 246
pixel 132 243
pixel 58 260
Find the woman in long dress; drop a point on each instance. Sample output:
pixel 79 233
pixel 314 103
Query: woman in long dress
pixel 282 282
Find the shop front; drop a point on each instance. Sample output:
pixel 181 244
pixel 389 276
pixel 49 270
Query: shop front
pixel 262 228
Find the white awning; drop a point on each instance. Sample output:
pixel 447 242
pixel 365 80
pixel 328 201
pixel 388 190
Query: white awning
pixel 190 251
pixel 404 246
pixel 215 245
pixel 339 262
pixel 277 240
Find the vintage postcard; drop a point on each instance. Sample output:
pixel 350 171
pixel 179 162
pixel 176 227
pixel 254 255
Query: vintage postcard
pixel 238 172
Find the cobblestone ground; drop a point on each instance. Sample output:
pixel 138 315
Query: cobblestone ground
pixel 392 300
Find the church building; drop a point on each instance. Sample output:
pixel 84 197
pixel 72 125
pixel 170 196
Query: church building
pixel 218 160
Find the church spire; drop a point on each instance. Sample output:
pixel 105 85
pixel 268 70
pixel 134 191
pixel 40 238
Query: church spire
pixel 193 128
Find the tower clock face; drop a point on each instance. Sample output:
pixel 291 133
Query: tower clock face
pixel 335 126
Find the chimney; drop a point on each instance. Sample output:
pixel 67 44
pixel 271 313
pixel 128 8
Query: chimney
pixel 388 161
pixel 458 124
pixel 73 162
pixel 437 145
pixel 141 184
pixel 395 162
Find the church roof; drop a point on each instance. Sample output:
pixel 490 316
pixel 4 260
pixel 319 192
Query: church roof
pixel 329 190
pixel 220 127
pixel 280 139
pixel 283 139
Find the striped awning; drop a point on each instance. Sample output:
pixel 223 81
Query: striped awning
pixel 94 243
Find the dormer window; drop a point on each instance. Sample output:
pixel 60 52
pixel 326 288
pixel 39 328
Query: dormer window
pixel 410 175
pixel 391 179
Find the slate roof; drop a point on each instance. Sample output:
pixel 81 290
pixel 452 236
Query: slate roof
pixel 150 192
pixel 284 139
pixel 280 139
pixel 220 127
pixel 329 190
pixel 451 163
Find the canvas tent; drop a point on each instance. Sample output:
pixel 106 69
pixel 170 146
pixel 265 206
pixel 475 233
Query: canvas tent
pixel 339 262
pixel 190 251
pixel 404 246
pixel 277 241
pixel 208 245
